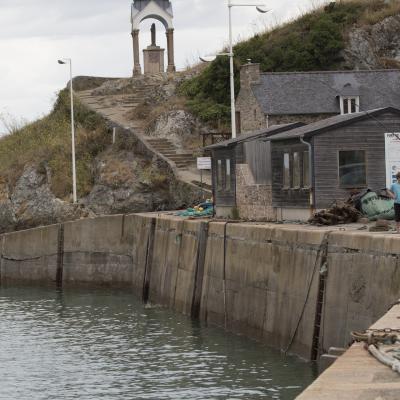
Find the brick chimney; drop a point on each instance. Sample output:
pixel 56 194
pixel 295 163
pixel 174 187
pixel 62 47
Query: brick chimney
pixel 249 74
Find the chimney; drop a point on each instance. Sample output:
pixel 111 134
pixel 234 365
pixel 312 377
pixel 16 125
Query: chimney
pixel 249 74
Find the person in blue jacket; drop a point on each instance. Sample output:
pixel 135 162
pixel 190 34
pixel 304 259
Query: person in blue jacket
pixel 394 193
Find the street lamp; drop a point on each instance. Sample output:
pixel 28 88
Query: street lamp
pixel 63 62
pixel 261 9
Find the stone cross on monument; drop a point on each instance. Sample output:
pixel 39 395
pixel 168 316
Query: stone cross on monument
pixel 153 35
pixel 160 10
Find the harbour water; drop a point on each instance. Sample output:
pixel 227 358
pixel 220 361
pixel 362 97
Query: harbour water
pixel 104 344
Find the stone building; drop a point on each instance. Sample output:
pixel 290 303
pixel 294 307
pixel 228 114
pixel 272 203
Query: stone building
pixel 267 99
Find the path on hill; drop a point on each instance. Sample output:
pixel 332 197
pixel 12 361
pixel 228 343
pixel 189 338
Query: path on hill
pixel 119 107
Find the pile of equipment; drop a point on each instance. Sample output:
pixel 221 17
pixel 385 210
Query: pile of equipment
pixel 369 204
pixel 344 213
pixel 202 210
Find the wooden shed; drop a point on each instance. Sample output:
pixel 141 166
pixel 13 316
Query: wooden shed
pixel 241 173
pixel 318 164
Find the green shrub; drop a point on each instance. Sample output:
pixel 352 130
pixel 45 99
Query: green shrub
pixel 47 142
pixel 209 93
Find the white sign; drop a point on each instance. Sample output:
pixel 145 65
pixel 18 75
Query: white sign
pixel 392 155
pixel 204 163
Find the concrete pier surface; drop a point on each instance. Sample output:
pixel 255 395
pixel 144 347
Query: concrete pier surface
pixel 298 288
pixel 357 375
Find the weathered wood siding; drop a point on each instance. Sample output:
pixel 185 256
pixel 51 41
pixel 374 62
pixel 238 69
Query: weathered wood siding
pixel 286 197
pixel 258 157
pixel 224 197
pixel 365 135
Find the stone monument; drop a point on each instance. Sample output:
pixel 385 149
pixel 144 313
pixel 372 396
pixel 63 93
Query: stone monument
pixel 153 56
pixel 160 10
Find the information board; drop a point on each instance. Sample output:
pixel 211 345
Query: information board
pixel 204 163
pixel 392 155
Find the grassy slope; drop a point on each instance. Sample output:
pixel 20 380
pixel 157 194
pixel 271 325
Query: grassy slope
pixel 312 42
pixel 47 144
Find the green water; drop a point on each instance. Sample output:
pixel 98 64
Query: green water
pixel 104 344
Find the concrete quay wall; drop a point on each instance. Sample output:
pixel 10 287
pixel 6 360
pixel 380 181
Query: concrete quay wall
pixel 263 281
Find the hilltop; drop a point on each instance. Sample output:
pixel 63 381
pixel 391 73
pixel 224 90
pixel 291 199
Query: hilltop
pixel 347 34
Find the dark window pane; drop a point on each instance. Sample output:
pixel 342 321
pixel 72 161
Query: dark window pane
pixel 352 168
pixel 219 175
pixel 296 170
pixel 345 106
pixel 306 169
pixel 353 105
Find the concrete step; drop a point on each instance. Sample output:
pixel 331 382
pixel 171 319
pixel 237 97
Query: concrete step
pixel 160 140
pixel 165 149
pixel 181 158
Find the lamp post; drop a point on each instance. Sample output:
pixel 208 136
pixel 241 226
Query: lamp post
pixel 260 8
pixel 63 62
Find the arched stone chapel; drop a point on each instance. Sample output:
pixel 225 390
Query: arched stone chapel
pixel 160 10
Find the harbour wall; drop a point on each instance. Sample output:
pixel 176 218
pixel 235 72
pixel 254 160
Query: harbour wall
pixel 297 288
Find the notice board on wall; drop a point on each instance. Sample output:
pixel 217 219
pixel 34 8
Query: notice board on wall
pixel 392 156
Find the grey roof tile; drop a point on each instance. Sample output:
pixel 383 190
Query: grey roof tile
pixel 318 92
pixel 255 135
pixel 330 123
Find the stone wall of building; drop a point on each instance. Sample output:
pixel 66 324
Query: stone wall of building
pixel 253 201
pixel 251 115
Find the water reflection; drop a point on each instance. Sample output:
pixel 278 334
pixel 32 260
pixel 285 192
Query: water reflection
pixel 103 344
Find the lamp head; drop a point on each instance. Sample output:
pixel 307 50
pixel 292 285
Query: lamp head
pixel 262 9
pixel 207 59
pixel 61 62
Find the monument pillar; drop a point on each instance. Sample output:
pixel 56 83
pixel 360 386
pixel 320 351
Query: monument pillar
pixel 137 70
pixel 170 49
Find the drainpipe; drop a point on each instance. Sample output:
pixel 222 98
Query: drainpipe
pixel 311 168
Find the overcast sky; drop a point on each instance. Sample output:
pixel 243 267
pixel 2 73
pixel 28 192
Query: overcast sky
pixel 96 35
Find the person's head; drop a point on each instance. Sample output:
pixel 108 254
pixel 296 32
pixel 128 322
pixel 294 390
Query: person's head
pixel 398 177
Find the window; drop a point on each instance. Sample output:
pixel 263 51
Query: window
pixel 296 170
pixel 306 169
pixel 286 170
pixel 224 175
pixel 228 175
pixel 352 168
pixel 219 175
pixel 349 105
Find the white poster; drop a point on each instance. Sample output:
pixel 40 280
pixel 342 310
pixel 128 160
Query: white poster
pixel 392 153
pixel 203 163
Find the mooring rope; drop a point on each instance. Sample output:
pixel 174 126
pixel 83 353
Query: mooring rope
pixel 382 344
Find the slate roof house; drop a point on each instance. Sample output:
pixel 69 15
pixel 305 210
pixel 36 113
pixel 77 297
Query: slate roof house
pixel 267 99
pixel 285 172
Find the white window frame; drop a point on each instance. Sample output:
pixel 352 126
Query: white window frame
pixel 346 101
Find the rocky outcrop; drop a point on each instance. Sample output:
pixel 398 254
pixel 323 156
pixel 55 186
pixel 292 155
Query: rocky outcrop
pixel 126 182
pixel 376 46
pixel 32 203
pixel 179 126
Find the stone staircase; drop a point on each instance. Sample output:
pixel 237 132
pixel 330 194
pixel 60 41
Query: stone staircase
pixel 165 147
pixel 116 105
